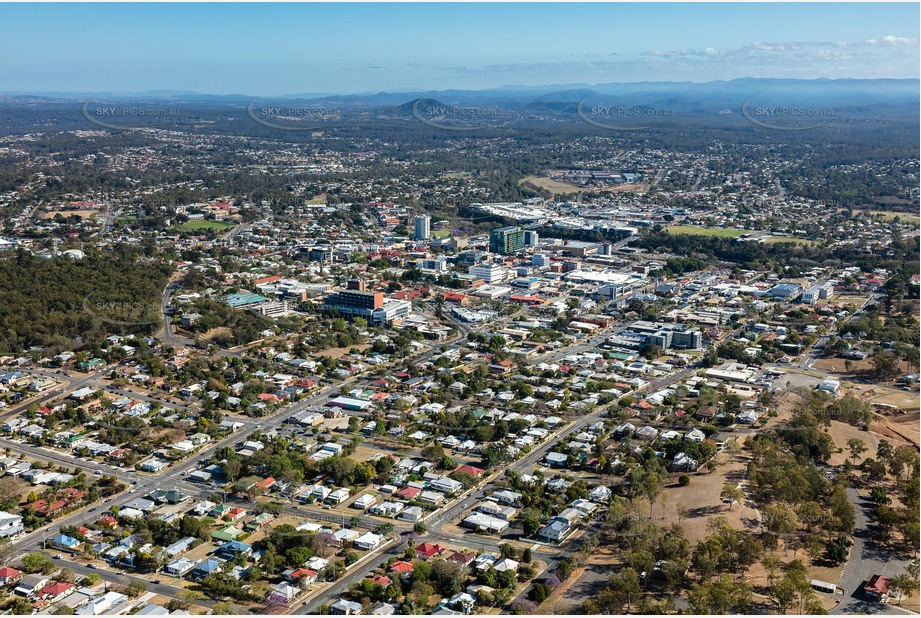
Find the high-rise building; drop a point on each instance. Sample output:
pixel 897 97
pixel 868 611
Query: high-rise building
pixel 531 238
pixel 422 225
pixel 506 240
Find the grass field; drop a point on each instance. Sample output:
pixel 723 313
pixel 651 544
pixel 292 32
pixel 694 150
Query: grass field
pixel 694 230
pixel 441 233
pixel 889 215
pixel 455 175
pixel 191 226
pixel 773 240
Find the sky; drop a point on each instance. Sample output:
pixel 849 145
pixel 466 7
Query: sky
pixel 278 49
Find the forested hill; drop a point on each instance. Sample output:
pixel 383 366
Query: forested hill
pixel 59 303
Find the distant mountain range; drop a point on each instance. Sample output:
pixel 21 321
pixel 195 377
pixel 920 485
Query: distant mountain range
pixel 690 96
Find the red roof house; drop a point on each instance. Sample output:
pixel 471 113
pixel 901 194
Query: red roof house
pixel 429 550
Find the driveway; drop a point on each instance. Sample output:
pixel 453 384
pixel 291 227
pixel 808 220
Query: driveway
pixel 866 559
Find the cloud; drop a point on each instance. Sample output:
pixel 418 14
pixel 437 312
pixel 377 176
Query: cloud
pixel 678 53
pixel 784 46
pixel 892 41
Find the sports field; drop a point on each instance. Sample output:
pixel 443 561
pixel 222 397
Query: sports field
pixel 694 230
pixel 772 240
pixel 192 226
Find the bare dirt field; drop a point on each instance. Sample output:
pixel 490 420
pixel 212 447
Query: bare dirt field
pixel 337 352
pixel 556 187
pixel 699 503
pixel 841 433
pixel 83 214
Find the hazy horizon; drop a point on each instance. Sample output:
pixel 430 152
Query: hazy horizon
pixel 355 48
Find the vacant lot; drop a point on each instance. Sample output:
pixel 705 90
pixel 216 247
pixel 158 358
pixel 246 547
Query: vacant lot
pixel 695 230
pixel 337 352
pixel 83 214
pixel 544 182
pixel 697 504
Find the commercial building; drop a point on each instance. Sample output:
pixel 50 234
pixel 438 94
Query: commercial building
pixel 815 293
pixel 489 272
pixel 355 301
pixel 392 312
pixel 666 336
pixel 422 227
pixel 506 240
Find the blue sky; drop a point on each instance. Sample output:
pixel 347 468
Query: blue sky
pixel 274 49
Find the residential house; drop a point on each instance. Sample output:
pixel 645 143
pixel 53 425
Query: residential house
pixel 341 607
pixel 8 575
pixel 426 551
pixel 368 541
pixel 29 585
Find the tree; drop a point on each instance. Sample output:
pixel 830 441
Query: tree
pixel 37 563
pixel 7 549
pixel 507 579
pixel 530 520
pixel 22 607
pixel 732 492
pixel 11 488
pixel 856 448
pixel 903 585
pixel 783 594
pixel 724 596
pixel 539 593
pixel 446 577
pixel 232 468
pixel 886 366
pixel 626 585
pixel 135 588
pixel 223 608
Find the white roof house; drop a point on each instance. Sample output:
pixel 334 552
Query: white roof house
pixel 368 541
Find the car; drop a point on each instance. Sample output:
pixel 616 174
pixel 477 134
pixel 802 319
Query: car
pixel 92 566
pixel 58 556
pixel 97 472
pixel 155 581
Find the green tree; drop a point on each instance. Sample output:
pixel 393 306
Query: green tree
pixel 732 492
pixel 37 563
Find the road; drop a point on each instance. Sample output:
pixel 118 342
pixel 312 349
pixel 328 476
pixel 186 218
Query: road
pixel 169 337
pixel 123 579
pixel 173 477
pixel 450 514
pixel 866 560
pixel 817 350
